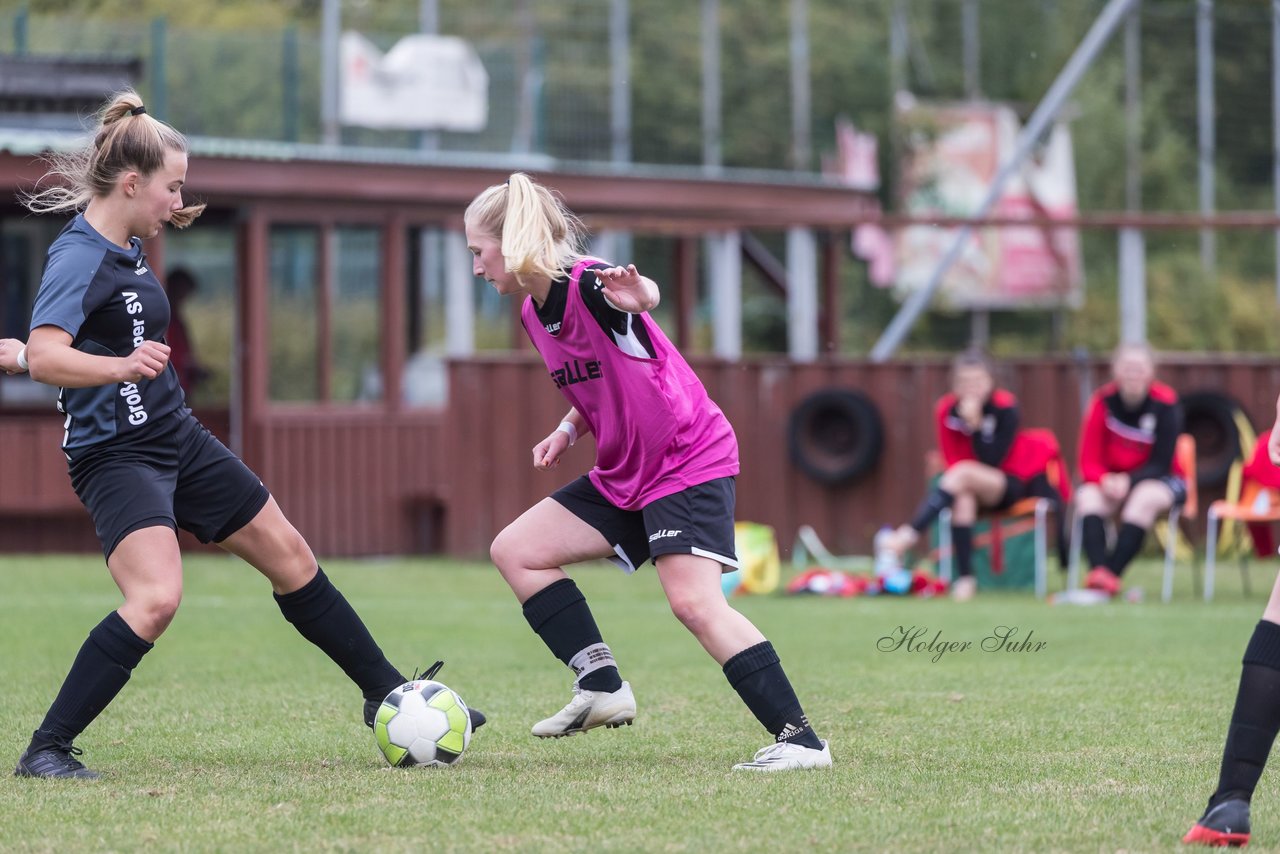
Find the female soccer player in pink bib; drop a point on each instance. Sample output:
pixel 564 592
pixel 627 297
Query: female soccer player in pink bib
pixel 662 487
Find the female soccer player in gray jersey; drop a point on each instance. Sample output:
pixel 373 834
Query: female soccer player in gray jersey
pixel 140 462
pixel 663 483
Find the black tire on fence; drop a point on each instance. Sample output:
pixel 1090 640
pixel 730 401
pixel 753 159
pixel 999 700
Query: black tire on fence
pixel 835 435
pixel 1210 417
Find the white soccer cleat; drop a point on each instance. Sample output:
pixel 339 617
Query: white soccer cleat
pixel 787 756
pixel 588 710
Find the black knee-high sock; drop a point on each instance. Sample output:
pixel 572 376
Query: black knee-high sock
pixel 1255 719
pixel 962 549
pixel 1128 543
pixel 1094 534
pixel 756 674
pixel 934 503
pixel 560 615
pixel 102 667
pixel 322 615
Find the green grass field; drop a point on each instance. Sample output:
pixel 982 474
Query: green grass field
pixel 237 735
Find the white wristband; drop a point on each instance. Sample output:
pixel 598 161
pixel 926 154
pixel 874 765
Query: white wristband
pixel 22 359
pixel 567 427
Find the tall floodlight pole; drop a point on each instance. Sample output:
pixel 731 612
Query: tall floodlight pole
pixel 1085 53
pixel 1206 136
pixel 617 244
pixel 712 158
pixel 429 24
pixel 330 25
pixel 801 113
pixel 979 318
pixel 972 45
pixel 1133 249
pixel 620 82
pixel 802 254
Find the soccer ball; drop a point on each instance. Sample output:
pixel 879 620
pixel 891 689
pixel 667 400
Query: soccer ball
pixel 422 723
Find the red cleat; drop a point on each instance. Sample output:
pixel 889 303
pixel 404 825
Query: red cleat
pixel 1101 578
pixel 1226 825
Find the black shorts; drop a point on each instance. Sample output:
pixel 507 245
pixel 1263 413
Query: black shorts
pixel 1016 489
pixel 178 475
pixel 1177 486
pixel 697 520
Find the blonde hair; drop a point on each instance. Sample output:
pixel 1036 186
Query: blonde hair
pixel 124 140
pixel 539 234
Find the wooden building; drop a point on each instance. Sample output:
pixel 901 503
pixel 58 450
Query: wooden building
pixel 377 476
pixel 380 475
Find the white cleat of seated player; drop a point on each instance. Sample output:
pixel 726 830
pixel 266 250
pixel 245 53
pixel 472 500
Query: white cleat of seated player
pixel 588 710
pixel 787 756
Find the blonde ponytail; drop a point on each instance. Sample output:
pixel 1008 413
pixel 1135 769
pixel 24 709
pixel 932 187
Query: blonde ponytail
pixel 125 139
pixel 539 235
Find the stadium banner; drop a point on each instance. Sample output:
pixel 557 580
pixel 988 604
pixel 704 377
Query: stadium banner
pixel 425 82
pixel 950 154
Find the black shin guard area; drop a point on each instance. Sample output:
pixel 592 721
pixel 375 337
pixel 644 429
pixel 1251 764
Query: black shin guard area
pixel 322 615
pixel 561 617
pixel 1255 719
pixel 756 674
pixel 101 668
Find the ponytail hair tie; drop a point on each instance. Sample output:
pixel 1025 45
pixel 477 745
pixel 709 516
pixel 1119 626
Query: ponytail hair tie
pixel 138 110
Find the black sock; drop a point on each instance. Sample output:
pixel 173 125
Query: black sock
pixel 962 549
pixel 1094 534
pixel 322 615
pixel 1255 719
pixel 1128 544
pixel 560 615
pixel 757 675
pixel 934 503
pixel 102 667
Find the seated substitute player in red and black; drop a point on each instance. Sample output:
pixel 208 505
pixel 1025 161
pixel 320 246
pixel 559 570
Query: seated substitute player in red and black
pixel 1127 465
pixel 991 463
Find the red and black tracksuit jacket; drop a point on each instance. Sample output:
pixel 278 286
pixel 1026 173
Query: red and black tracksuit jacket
pixel 997 442
pixel 1139 442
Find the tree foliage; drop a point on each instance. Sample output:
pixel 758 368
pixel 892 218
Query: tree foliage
pixel 226 75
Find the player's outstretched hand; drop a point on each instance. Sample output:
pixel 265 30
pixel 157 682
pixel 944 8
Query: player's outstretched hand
pixel 9 350
pixel 146 362
pixel 546 454
pixel 626 288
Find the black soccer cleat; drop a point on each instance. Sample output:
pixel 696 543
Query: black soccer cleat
pixel 56 761
pixel 371 705
pixel 1226 824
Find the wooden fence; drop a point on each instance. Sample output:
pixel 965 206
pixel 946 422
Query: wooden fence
pixel 363 482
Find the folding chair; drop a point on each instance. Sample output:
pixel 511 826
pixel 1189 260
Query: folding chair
pixel 1185 453
pixel 1256 505
pixel 807 545
pixel 1178 513
pixel 1037 507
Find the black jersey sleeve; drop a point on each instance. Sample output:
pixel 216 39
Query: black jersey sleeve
pixel 992 446
pixel 592 290
pixel 618 324
pixel 1168 426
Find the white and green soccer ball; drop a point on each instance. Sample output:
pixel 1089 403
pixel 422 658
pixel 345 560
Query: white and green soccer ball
pixel 422 723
